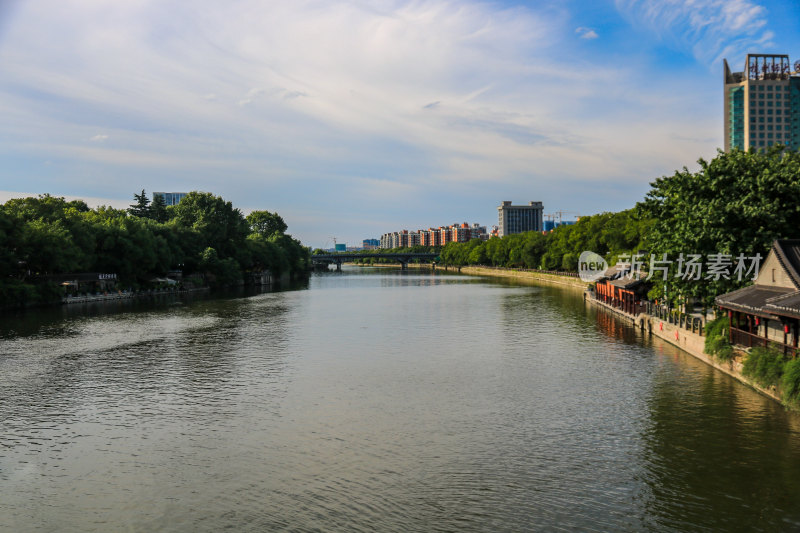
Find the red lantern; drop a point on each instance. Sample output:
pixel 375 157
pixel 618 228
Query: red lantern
pixel 786 328
pixel 756 321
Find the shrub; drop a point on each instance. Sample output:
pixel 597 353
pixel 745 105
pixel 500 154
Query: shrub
pixel 717 343
pixel 764 366
pixel 791 381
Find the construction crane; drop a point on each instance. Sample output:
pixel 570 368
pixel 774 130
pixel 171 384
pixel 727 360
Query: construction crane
pixel 559 215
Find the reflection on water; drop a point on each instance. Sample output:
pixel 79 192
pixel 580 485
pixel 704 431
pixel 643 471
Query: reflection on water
pixel 379 400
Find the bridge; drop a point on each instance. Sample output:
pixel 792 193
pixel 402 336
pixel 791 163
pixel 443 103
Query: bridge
pixel 339 258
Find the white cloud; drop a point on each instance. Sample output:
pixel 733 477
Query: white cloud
pixel 710 29
pixel 314 102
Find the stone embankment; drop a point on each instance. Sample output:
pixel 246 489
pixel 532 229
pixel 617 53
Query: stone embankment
pixel 566 279
pixel 125 295
pixel 689 338
pixel 686 335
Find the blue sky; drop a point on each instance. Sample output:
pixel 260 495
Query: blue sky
pixel 354 118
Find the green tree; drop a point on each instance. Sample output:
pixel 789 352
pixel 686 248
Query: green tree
pixel 141 207
pixel 737 203
pixel 45 207
pixel 158 209
pixel 477 256
pixel 267 255
pixel 220 225
pixel 266 223
pixel 45 249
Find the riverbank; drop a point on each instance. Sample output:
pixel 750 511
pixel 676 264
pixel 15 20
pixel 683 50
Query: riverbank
pixel 527 276
pixel 690 342
pixel 127 295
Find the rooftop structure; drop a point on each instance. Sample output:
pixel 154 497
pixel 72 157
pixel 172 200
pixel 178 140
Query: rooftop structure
pixel 762 103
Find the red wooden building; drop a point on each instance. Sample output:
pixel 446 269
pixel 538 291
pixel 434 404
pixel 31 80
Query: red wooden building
pixel 622 289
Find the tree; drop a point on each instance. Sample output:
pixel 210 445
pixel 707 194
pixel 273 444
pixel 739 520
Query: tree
pixel 221 226
pixel 142 206
pixel 737 203
pixel 158 209
pixel 220 272
pixel 266 224
pixel 47 248
pixel 44 207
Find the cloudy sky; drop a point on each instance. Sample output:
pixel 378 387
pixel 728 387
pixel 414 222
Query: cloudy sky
pixel 352 118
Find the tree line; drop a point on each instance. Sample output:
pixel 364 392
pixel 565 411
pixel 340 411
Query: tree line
pixel 203 235
pixel 736 204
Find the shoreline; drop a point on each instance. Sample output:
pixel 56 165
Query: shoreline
pixel 526 276
pixel 690 343
pixel 127 295
pixel 687 341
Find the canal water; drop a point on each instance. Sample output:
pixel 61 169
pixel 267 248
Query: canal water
pixel 379 400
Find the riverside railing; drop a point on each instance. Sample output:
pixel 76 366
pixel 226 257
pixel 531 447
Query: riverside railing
pixel 750 340
pixel 686 321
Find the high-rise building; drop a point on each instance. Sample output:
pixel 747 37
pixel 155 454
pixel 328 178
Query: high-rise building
pixel 762 103
pixel 170 198
pixel 519 218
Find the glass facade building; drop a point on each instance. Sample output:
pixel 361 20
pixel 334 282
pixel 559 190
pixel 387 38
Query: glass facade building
pixel 762 103
pixel 170 198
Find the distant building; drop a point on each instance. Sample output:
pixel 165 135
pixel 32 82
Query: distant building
pixel 519 218
pixel 550 225
pixel 762 103
pixel 340 247
pixel 370 244
pixel 170 198
pixel 433 236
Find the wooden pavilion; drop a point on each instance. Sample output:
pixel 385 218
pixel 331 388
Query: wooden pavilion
pixel 767 313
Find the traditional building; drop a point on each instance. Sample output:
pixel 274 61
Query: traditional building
pixel 767 313
pixel 622 289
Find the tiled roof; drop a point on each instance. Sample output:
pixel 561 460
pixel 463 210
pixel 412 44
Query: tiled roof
pixel 752 299
pixel 626 282
pixel 767 299
pixel 785 305
pixel 615 271
pixel 788 253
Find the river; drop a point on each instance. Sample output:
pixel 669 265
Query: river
pixel 379 400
